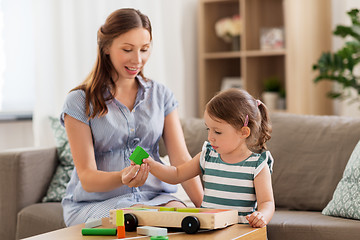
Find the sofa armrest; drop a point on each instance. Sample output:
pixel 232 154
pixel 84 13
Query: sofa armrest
pixel 24 177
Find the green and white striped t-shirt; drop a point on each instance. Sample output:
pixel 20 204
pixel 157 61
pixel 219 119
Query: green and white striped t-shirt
pixel 231 186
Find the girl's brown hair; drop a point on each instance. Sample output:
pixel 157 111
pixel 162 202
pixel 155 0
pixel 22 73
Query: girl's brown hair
pixel 100 78
pixel 233 106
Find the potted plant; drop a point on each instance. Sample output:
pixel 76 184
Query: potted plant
pixel 271 95
pixel 339 66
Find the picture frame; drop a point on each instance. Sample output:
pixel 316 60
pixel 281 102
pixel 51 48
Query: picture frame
pixel 231 82
pixel 272 38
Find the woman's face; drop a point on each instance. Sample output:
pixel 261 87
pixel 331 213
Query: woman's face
pixel 129 52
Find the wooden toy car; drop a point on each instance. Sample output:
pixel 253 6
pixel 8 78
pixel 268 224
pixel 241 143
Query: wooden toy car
pixel 190 220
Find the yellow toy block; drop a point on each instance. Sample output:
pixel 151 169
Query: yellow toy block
pixel 169 209
pixel 188 210
pixel 119 217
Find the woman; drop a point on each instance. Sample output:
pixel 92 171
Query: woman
pixel 114 110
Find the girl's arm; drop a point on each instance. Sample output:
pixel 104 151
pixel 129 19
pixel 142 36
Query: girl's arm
pixel 178 153
pixel 264 198
pixel 172 174
pixel 93 180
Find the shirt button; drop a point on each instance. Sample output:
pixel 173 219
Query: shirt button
pixel 132 129
pixel 133 110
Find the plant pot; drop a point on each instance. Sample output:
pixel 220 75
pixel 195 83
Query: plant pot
pixel 235 43
pixel 281 104
pixel 270 99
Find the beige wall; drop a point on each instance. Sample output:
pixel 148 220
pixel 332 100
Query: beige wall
pixel 16 134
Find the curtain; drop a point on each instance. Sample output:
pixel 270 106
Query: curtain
pixel 65 43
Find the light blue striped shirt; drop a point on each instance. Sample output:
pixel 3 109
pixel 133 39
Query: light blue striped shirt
pixel 115 137
pixel 231 186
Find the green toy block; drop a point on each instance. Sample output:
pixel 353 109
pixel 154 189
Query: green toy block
pixel 159 237
pixel 138 155
pixel 99 231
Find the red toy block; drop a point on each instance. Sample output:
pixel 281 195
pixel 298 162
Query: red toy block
pixel 120 231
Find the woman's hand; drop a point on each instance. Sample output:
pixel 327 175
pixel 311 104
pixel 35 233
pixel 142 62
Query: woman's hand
pixel 256 220
pixel 135 175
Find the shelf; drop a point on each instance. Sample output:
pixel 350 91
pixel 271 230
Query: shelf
pixel 218 1
pixel 238 54
pixel 219 55
pixel 260 53
pixel 291 65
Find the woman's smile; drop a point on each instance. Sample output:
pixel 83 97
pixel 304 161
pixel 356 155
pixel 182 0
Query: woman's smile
pixel 132 70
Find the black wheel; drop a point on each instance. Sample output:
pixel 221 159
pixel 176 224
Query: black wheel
pixel 131 222
pixel 190 224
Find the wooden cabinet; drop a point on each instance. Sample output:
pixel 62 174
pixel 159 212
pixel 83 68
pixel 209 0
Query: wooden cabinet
pixel 307 32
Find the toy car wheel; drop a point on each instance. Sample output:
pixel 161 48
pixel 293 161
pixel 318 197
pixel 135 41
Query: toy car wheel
pixel 131 222
pixel 190 224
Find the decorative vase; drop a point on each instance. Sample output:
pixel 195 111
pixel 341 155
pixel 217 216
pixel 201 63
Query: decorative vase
pixel 235 43
pixel 270 100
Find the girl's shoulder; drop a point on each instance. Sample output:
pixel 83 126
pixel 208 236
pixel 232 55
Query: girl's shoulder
pixel 262 158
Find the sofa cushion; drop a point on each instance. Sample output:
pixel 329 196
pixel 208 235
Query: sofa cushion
pixel 39 218
pixel 300 225
pixel 346 199
pixel 57 187
pixel 195 135
pixel 310 154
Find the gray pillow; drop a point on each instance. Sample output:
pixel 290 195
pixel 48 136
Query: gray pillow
pixel 346 199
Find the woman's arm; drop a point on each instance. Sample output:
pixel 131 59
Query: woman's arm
pixel 93 180
pixel 178 153
pixel 264 198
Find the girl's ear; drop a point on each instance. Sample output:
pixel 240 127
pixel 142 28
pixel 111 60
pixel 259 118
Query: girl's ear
pixel 245 132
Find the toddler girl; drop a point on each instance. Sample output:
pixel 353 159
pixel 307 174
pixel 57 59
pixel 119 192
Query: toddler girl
pixel 234 163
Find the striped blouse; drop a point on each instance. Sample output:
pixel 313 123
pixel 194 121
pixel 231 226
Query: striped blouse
pixel 231 185
pixel 115 136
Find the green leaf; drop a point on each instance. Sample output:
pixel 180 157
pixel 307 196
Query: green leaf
pixel 338 67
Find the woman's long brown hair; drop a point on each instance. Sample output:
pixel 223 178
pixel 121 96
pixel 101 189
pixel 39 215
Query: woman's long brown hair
pixel 100 78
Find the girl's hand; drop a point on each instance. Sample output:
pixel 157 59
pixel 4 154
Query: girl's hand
pixel 149 161
pixel 256 220
pixel 135 175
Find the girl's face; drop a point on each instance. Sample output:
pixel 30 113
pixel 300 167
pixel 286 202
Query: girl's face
pixel 129 52
pixel 223 137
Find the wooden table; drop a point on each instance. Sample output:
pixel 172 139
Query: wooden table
pixel 237 231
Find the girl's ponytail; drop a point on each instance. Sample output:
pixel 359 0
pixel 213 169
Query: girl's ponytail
pixel 265 126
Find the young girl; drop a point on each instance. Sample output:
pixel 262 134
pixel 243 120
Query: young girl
pixel 234 164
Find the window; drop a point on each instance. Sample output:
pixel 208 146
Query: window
pixel 17 68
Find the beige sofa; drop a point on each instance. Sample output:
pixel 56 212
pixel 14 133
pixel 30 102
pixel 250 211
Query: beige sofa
pixel 310 155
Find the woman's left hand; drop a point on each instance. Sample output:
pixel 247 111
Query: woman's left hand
pixel 135 175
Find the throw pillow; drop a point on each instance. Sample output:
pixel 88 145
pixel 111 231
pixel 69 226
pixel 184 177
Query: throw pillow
pixel 57 188
pixel 346 199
